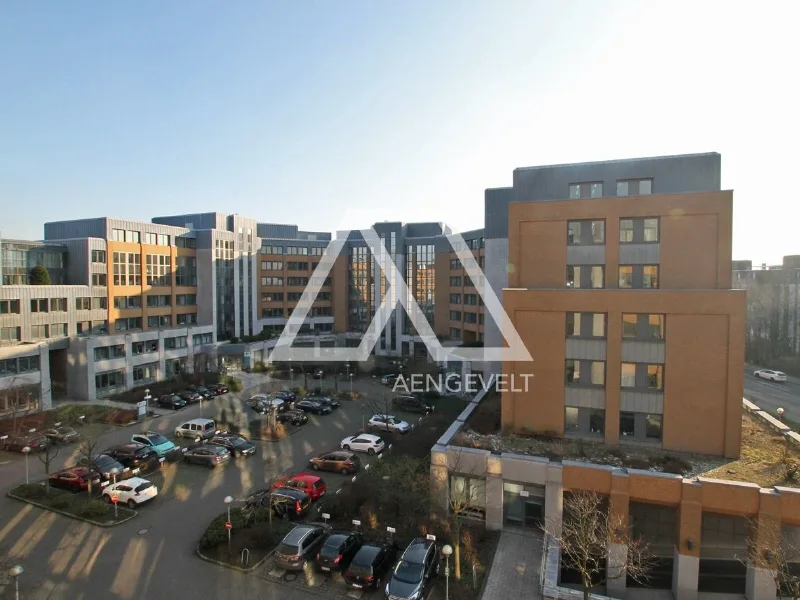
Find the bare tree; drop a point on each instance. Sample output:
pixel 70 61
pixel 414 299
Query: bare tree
pixel 263 499
pixel 584 534
pixel 20 398
pixel 48 454
pixel 768 548
pixel 380 404
pixel 89 449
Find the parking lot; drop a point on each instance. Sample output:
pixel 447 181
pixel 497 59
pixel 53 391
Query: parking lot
pixel 152 556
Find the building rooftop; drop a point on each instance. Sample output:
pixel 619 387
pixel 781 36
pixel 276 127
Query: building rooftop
pixel 767 458
pixel 622 160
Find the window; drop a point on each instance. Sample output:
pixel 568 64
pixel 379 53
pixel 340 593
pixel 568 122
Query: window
pixel 272 297
pixel 272 250
pixel 271 265
pixel 627 424
pixel 174 343
pixel 150 239
pixel 586 276
pixel 595 190
pixel 573 324
pixel 321 311
pixel 145 373
pixel 629 326
pixel 187 319
pixel 186 299
pixel 574 190
pixel 158 301
pixel 9 307
pixel 297 250
pixel 40 332
pixel 455 263
pixel 186 271
pixel 640 426
pixel 297 266
pixel 598 372
pixel 651 229
pixel 271 281
pixel 317 251
pixel 58 305
pixel 645 187
pixel 634 187
pixel 455 282
pixel 271 313
pixel 584 421
pixel 125 302
pixel 598 325
pixel 655 377
pixel 591 324
pixel 656 326
pixel 622 188
pixel 17 366
pixel 186 242
pixel 99 256
pixel 109 381
pixel 639 231
pixel 471 299
pixel 626 277
pixel 39 305
pixel 586 232
pixel 297 281
pixel 455 333
pixel 628 375
pixel 133 237
pixel 455 298
pixel 455 315
pixel 159 321
pixel 10 334
pixel 144 347
pixel 644 327
pixel 100 279
pixel 158 269
pixel 83 327
pixel 58 330
pixel 597 420
pixel 650 277
pixel 128 324
pixel 571 419
pixel 118 235
pixel 653 426
pixel 202 338
pixel 163 240
pixel 573 232
pixel 470 317
pixel 626 231
pixel 127 268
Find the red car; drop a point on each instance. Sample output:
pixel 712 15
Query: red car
pixel 75 479
pixel 313 485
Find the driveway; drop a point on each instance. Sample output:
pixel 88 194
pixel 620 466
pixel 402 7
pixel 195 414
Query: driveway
pixel 152 556
pixel 770 395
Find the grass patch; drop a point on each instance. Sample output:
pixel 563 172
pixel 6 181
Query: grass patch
pixel 252 531
pixel 486 419
pixel 79 505
pixel 477 548
pixel 767 458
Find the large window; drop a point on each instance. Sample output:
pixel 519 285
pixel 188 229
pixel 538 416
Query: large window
pixel 644 327
pixel 640 426
pixel 586 190
pixel 585 372
pixel 186 271
pixel 584 421
pixel 18 366
pixel 468 496
pixel 109 382
pixel 638 277
pixel 586 276
pixel 9 307
pixel 587 325
pixel 581 233
pixel 159 269
pixel 145 374
pixel 639 231
pixel 360 288
pixel 642 376
pixel 127 268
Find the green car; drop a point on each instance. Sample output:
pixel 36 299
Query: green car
pixel 152 439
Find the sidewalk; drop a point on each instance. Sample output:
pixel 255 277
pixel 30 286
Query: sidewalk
pixel 515 567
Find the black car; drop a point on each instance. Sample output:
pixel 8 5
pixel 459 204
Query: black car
pixel 295 417
pixel 135 456
pixel 325 401
pixel 190 396
pixel 413 404
pixel 370 564
pixel 236 444
pixel 107 468
pixel 209 455
pixel 289 503
pixel 62 435
pixel 202 390
pixel 419 563
pixel 311 406
pixel 219 388
pixel 286 396
pixel 338 550
pixel 171 401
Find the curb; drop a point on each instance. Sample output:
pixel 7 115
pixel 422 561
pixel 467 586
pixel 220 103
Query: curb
pixel 256 566
pixel 72 516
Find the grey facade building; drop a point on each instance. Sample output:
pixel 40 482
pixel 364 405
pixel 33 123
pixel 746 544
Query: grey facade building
pixel 678 174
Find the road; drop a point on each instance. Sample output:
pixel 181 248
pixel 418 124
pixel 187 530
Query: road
pixel 770 395
pixel 152 556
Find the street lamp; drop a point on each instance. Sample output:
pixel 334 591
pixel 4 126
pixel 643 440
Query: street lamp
pixel 114 473
pixel 26 451
pixel 228 500
pixel 447 551
pixel 780 412
pixel 147 402
pixel 291 376
pixel 15 572
pixel 350 375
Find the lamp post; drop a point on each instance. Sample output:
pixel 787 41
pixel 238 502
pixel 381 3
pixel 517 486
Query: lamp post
pixel 147 402
pixel 15 572
pixel 228 500
pixel 291 376
pixel 447 551
pixel 350 375
pixel 26 451
pixel 114 473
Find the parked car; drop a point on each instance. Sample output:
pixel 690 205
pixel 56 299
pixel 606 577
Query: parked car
pixel 389 379
pixel 152 439
pixel 295 417
pixel 36 442
pixel 313 485
pixel 109 469
pixel 338 461
pixel 202 390
pixel 286 395
pixel 365 442
pixel 371 564
pixel 291 504
pixel 338 550
pixel 300 545
pixel 137 457
pixel 236 444
pixel 313 407
pixel 133 491
pixel 413 404
pixel 262 403
pixel 770 375
pixel 388 423
pixel 190 396
pixel 197 429
pixel 62 435
pixel 324 400
pixel 418 565
pixel 171 401
pixel 75 479
pixel 208 455
pixel 219 388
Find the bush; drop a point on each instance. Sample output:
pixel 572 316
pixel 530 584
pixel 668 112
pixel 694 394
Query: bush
pixel 674 465
pixel 31 491
pixel 61 502
pixel 216 533
pixel 93 509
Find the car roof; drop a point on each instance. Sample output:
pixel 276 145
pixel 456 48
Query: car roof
pixel 290 492
pixel 75 471
pixel 366 436
pixel 383 416
pixel 197 422
pixel 370 550
pixel 130 446
pixel 304 477
pixel 416 550
pixel 132 481
pixel 299 533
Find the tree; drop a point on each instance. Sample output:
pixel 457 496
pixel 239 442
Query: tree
pixel 47 456
pixel 584 534
pixel 20 397
pixel 380 405
pixel 769 549
pixel 463 500
pixel 39 276
pixel 89 449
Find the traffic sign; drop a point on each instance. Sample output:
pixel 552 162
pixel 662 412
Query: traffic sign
pixel 326 516
pixel 391 530
pixel 430 537
pixel 115 498
pixel 356 522
pixel 228 525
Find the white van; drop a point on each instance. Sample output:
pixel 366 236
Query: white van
pixel 196 429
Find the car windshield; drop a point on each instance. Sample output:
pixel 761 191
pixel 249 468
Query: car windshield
pixel 157 439
pixel 238 442
pixel 408 572
pixel 143 486
pixel 104 461
pixel 331 547
pixel 287 550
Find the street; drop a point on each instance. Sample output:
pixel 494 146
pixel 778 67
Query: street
pixel 770 395
pixel 152 556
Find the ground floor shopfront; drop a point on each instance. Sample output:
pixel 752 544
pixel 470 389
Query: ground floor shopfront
pixel 697 528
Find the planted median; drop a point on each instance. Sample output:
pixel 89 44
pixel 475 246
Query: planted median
pixel 80 505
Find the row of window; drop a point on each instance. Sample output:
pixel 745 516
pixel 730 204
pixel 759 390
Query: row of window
pixel 466 317
pixel 625 187
pixel 455 263
pixel 139 348
pixel 592 421
pixel 155 321
pixel 316 311
pixel 295 281
pixel 293 296
pixel 292 250
pixel 645 230
pixel 640 277
pixel 456 281
pixel 45 305
pixel 128 302
pixel 468 299
pixel 634 326
pixel 135 237
pixel 52 330
pixel 18 366
pixel 632 375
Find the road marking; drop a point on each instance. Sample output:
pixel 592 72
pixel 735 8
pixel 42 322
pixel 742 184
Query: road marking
pixel 5 462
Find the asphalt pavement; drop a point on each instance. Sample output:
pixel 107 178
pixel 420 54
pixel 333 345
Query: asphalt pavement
pixel 152 556
pixel 770 395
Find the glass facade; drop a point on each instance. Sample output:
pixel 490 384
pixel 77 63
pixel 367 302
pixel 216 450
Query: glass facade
pixel 360 278
pixel 421 281
pixel 225 305
pixel 18 258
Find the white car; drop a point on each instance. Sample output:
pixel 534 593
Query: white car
pixel 771 375
pixel 389 423
pixel 133 491
pixel 366 442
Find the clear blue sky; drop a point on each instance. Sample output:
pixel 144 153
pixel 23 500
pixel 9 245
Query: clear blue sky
pixel 291 111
